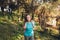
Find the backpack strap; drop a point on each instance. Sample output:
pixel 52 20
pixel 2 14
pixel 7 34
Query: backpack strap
pixel 33 24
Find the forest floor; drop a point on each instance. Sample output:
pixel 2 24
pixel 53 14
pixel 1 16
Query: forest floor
pixel 14 31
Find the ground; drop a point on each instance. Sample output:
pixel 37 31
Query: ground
pixel 11 30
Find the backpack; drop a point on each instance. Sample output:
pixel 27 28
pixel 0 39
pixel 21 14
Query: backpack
pixel 33 24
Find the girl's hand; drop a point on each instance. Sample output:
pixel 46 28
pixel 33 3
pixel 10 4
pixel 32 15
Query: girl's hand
pixel 24 27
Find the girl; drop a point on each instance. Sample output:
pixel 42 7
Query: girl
pixel 29 25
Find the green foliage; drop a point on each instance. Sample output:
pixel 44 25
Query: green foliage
pixel 12 29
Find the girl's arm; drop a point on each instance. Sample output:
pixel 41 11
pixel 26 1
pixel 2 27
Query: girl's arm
pixel 34 26
pixel 24 27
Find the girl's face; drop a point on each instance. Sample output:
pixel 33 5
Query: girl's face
pixel 28 18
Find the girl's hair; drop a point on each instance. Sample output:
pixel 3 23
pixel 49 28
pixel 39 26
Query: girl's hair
pixel 25 18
